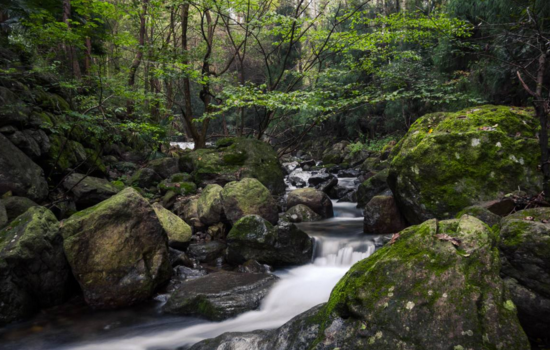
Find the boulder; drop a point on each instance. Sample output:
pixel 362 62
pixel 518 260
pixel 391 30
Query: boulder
pixel 145 178
pixel 219 296
pixel 382 216
pixel 207 251
pixel 371 187
pixel 301 213
pixel 88 190
pixel 525 247
pixel 248 197
pixel 336 153
pixel 165 167
pixel 19 174
pixel 117 250
pixel 183 188
pixel 177 230
pixel 290 167
pixel 449 161
pixel 34 273
pixel 236 159
pixel 210 206
pixel 3 215
pixel 317 200
pixel 482 213
pixel 188 210
pixel 16 206
pixel 421 292
pixel 253 237
pixel 319 178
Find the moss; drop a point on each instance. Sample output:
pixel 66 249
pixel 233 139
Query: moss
pixel 252 227
pixel 225 142
pixel 180 188
pixel 119 185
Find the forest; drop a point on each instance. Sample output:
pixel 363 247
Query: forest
pixel 274 174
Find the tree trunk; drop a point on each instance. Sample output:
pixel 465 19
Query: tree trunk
pixel 542 113
pixel 137 60
pixel 69 49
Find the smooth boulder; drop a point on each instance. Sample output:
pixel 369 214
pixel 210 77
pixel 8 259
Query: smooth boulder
pixel 88 190
pixel 210 206
pixel 248 197
pixel 253 237
pixel 34 273
pixel 449 161
pixel 177 230
pixel 219 296
pixel 373 186
pixel 382 216
pixel 317 200
pixel 16 206
pixel 301 213
pixel 117 250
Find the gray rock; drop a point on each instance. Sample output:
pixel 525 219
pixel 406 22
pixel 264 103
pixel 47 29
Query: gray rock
pixel 382 216
pixel 318 201
pixel 16 206
pixel 371 187
pixel 87 191
pixel 206 252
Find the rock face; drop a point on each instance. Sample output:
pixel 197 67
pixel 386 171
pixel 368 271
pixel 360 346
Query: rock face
pixel 117 250
pixel 422 292
pixel 3 215
pixel 34 273
pixel 210 206
pixel 317 200
pixel 253 237
pixel 177 230
pixel 236 159
pixel 301 213
pixel 19 174
pixel 220 295
pixel 16 206
pixel 88 190
pixel 525 246
pixel 248 197
pixel 449 161
pixel 383 216
pixel 371 187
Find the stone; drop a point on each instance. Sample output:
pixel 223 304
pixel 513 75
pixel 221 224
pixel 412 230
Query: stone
pixel 301 213
pixel 371 187
pixel 210 206
pixel 16 206
pixel 449 161
pixel 118 251
pixel 236 159
pixel 179 258
pixel 177 230
pixel 248 197
pixel 34 273
pixel 145 178
pixel 336 153
pixel 19 174
pixel 165 167
pixel 252 266
pixel 319 178
pixel 87 191
pixel 217 231
pixel 482 213
pixel 290 167
pixel 219 296
pixel 253 237
pixel 183 188
pixel 382 216
pixel 190 214
pixel 318 201
pixel 3 215
pixel 207 251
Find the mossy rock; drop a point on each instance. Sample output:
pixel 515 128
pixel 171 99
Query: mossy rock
pixel 180 188
pixel 165 167
pixel 177 230
pixel 241 158
pixel 210 206
pixel 301 213
pixel 88 190
pixel 248 197
pixel 145 178
pixel 482 214
pixel 371 187
pixel 117 250
pixel 16 206
pixel 316 200
pixel 34 273
pixel 449 161
pixel 336 153
pixel 3 215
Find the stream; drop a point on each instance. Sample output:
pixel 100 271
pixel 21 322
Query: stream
pixel 339 243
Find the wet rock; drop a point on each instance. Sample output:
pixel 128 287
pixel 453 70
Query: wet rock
pixel 88 190
pixel 301 213
pixel 112 270
pixel 318 201
pixel 328 185
pixel 252 266
pixel 220 295
pixel 179 258
pixel 34 273
pixel 248 197
pixel 19 174
pixel 319 178
pixel 373 186
pixel 525 247
pixel 16 206
pixel 383 216
pixel 469 157
pixel 210 206
pixel 177 230
pixel 207 251
pixel 349 173
pixel 290 167
pixel 252 237
pixel 182 273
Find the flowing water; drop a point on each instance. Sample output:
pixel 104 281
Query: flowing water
pixel 339 243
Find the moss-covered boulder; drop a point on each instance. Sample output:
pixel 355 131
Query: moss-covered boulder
pixel 253 237
pixel 482 213
pixel 177 230
pixel 145 178
pixel 34 273
pixel 117 250
pixel 206 251
pixel 165 167
pixel 525 247
pixel 188 210
pixel 181 188
pixel 19 174
pixel 248 197
pixel 88 190
pixel 316 200
pixel 301 213
pixel 220 295
pixel 16 206
pixel 382 216
pixel 210 206
pixel 336 153
pixel 449 161
pixel 237 159
pixel 373 186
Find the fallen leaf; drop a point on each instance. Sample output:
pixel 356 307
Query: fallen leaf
pixel 394 238
pixel 446 237
pixel 529 218
pixel 518 134
pixel 544 221
pixel 177 185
